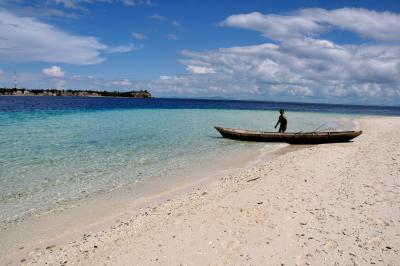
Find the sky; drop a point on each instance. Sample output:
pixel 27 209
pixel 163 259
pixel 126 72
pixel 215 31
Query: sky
pixel 302 51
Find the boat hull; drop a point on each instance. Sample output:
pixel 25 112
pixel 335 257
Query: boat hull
pixel 291 138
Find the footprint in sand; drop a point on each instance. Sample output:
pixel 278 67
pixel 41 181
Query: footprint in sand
pixel 380 222
pixel 300 260
pixel 330 244
pixel 374 242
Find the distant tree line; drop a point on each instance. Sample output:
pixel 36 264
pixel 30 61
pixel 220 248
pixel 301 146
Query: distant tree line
pixel 88 93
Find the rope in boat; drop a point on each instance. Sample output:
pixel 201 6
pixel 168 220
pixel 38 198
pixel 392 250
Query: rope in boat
pixel 327 129
pixel 316 130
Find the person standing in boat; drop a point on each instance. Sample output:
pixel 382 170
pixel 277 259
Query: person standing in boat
pixel 283 121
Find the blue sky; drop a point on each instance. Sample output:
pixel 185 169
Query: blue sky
pixel 310 51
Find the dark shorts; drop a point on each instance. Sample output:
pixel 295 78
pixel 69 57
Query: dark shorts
pixel 282 129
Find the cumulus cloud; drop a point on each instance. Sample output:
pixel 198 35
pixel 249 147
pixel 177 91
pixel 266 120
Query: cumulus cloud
pixel 161 18
pixel 366 23
pixel 309 67
pixel 76 82
pixel 39 11
pixel 158 17
pixel 62 8
pixel 274 26
pixel 75 4
pixel 308 22
pixel 66 3
pixel 138 36
pixel 121 49
pixel 28 80
pixel 300 65
pixel 138 2
pixel 200 69
pixel 60 84
pixel 54 71
pixel 172 36
pixel 56 77
pixel 196 85
pixel 176 24
pixel 166 77
pixel 79 81
pixel 123 82
pixel 26 39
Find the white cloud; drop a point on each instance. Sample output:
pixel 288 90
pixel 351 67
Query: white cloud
pixel 161 18
pixel 176 24
pixel 368 24
pixel 78 3
pixel 54 71
pixel 299 90
pixel 274 26
pixel 26 39
pixel 308 22
pixel 164 77
pixel 62 8
pixel 123 83
pixel 200 69
pixel 137 2
pixel 158 17
pixel 305 68
pixel 172 36
pixel 38 11
pixel 66 3
pixel 138 36
pixel 27 80
pixel 60 84
pixel 121 49
pixel 85 82
pixel 170 78
pixel 300 65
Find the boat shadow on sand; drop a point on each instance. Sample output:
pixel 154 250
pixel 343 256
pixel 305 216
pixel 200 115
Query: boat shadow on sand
pixel 297 144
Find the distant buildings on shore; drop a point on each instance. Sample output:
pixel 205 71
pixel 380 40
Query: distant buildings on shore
pixel 76 93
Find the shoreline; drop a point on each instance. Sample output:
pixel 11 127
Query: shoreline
pixel 236 217
pixel 164 183
pixel 118 204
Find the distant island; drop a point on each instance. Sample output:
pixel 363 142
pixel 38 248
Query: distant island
pixel 77 93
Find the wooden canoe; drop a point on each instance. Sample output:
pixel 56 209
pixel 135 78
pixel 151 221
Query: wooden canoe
pixel 292 138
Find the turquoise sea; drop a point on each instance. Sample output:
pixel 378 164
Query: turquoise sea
pixel 56 151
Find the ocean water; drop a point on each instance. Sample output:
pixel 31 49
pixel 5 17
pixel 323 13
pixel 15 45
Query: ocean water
pixel 55 151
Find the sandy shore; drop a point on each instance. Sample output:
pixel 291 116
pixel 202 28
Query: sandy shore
pixel 334 204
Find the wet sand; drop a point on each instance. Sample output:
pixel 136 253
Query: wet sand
pixel 333 204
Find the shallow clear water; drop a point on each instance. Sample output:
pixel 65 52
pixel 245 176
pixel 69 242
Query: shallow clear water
pixel 54 156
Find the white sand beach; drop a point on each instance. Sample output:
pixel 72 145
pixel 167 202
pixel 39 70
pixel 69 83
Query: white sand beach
pixel 331 204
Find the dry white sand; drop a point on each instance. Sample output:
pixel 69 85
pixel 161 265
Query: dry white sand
pixel 333 204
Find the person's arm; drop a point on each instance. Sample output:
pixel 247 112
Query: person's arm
pixel 277 123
